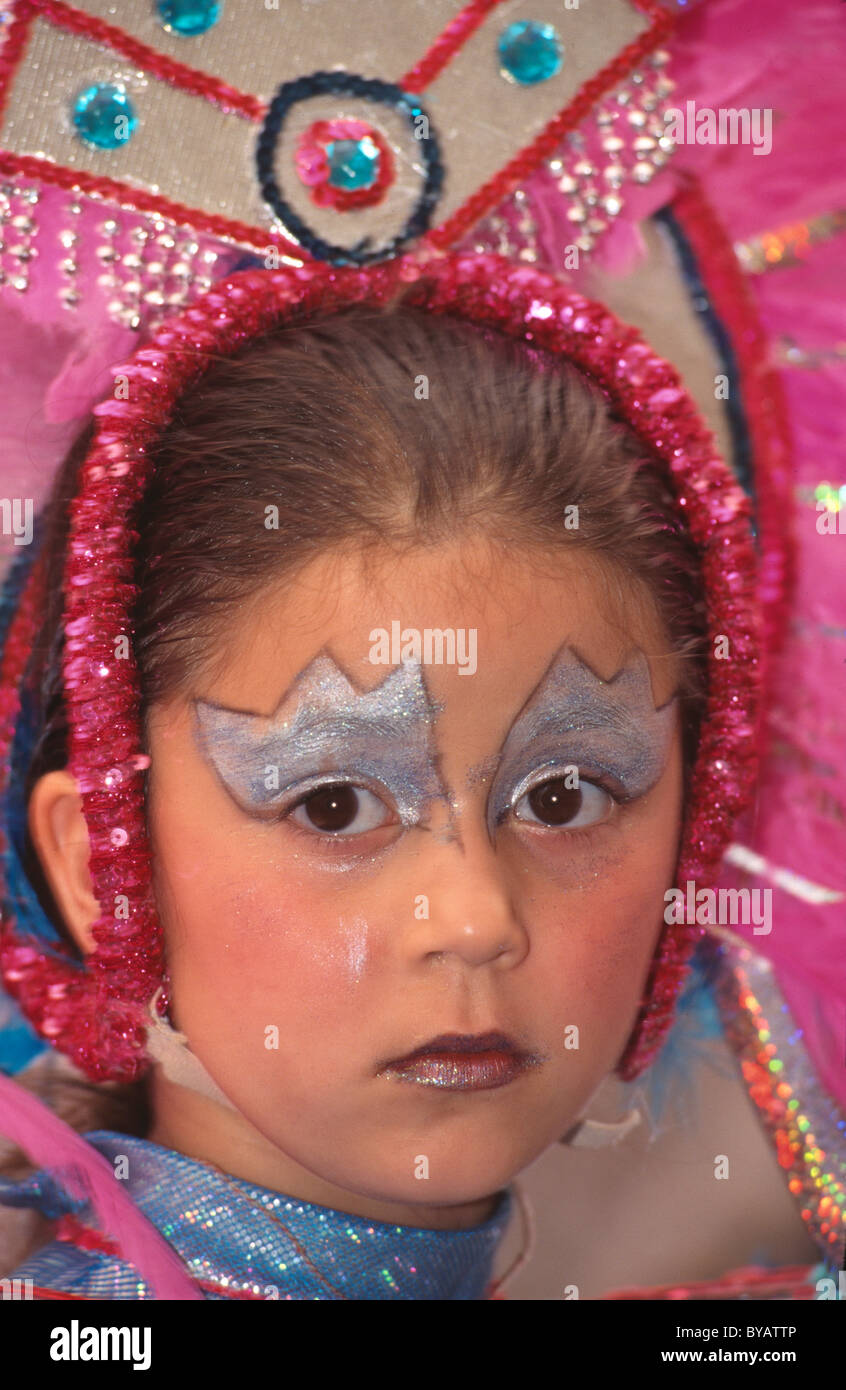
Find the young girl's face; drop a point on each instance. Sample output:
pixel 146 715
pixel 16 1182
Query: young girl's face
pixel 357 855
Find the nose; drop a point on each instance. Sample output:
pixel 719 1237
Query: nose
pixel 464 905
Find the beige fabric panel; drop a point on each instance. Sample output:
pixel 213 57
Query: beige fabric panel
pixel 255 49
pixel 478 113
pixel 654 298
pixel 650 1212
pixel 183 148
pixel 190 151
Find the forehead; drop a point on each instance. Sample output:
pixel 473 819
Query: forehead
pixel 513 606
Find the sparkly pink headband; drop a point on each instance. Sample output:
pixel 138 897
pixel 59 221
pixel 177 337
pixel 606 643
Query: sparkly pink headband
pixel 95 1013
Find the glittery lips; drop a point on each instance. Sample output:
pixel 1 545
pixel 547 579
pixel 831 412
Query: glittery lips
pixel 461 1062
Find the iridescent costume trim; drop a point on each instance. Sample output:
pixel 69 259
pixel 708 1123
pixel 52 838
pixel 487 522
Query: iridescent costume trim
pixel 238 1240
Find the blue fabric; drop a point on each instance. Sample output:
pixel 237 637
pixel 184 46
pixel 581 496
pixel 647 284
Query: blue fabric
pixel 690 1045
pixel 237 1237
pixel 19 1043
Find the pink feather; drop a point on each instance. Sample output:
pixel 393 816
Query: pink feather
pixel 87 1174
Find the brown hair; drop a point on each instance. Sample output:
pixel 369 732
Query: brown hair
pixel 396 428
pixel 380 426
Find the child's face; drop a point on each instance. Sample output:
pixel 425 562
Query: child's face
pixel 467 887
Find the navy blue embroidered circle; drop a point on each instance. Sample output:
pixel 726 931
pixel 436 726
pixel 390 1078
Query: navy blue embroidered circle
pixel 368 89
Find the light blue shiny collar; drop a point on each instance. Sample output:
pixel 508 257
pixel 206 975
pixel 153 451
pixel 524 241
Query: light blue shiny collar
pixel 236 1237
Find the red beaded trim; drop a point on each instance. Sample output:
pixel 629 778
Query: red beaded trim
pixel 247 1294
pixel 102 693
pixel 74 1232
pixel 459 30
pixel 258 239
pixel 188 79
pixel 52 988
pixel 13 49
pixel 446 45
pixel 40 1293
pixel 790 1282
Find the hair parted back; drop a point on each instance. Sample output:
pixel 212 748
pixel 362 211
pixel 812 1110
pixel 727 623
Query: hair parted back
pixel 375 426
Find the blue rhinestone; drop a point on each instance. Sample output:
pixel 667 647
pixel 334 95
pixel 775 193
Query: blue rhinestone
pixel 353 163
pixel 189 17
pixel 104 116
pixel 530 52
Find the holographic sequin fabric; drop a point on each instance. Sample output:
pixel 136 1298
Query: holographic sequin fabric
pixel 239 1240
pixel 805 1125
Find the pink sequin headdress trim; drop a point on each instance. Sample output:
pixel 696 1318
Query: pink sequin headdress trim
pixel 96 1014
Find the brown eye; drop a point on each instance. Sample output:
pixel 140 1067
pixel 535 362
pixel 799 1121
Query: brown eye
pixel 340 809
pixel 556 802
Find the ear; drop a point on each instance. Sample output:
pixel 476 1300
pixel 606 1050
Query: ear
pixel 60 835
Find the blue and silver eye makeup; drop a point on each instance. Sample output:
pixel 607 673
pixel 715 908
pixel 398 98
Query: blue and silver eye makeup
pixel 325 733
pixel 609 731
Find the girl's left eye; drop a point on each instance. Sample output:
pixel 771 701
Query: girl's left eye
pixel 555 803
pixel 340 809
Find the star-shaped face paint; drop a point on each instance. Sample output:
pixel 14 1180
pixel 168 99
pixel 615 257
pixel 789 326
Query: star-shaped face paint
pixel 577 725
pixel 325 733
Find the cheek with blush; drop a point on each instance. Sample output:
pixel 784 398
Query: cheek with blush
pixel 267 953
pixel 595 903
pixel 597 952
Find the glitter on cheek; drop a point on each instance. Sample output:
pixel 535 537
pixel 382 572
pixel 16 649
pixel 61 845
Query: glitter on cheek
pixel 302 932
pixel 289 946
pixel 585 862
pixel 355 934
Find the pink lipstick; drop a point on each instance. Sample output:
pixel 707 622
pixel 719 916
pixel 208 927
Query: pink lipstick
pixel 461 1062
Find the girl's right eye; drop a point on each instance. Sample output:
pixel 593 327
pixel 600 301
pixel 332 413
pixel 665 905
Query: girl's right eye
pixel 340 808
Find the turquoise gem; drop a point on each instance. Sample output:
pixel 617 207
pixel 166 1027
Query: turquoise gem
pixel 104 116
pixel 530 52
pixel 189 17
pixel 353 163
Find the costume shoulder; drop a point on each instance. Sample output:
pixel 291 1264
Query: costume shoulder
pixel 64 1270
pixel 95 1209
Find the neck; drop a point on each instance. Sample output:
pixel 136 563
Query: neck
pixel 200 1128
